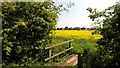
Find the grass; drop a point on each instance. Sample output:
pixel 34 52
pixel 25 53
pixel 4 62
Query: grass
pixel 80 45
pixel 0 65
pixel 84 42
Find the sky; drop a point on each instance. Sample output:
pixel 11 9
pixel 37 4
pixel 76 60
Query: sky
pixel 78 15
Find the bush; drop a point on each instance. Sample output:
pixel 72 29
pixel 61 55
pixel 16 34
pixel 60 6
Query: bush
pixel 26 31
pixel 109 52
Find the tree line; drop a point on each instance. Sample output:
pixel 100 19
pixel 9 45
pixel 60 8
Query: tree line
pixel 76 28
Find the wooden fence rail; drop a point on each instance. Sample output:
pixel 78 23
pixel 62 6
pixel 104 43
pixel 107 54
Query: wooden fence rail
pixel 50 56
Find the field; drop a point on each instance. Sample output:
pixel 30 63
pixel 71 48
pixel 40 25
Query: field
pixel 77 34
pixel 84 41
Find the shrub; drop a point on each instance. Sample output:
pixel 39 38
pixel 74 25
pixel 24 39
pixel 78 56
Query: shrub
pixel 109 53
pixel 26 29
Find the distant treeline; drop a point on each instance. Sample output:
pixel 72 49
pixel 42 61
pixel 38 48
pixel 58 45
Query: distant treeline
pixel 75 28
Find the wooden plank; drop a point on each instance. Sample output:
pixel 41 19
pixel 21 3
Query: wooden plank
pixel 69 44
pixel 72 61
pixel 59 44
pixel 57 54
pixel 50 51
pixel 69 47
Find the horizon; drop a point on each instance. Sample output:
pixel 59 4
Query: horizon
pixel 75 27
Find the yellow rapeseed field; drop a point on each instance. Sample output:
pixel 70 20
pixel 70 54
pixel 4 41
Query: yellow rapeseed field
pixel 76 33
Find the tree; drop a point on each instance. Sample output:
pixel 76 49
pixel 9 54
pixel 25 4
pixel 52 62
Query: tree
pixel 76 28
pixel 26 30
pixel 70 28
pixel 108 25
pixel 61 28
pixel 58 28
pixel 83 28
pixel 66 27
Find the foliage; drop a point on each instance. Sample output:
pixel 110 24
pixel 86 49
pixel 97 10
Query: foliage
pixel 108 23
pixel 26 30
pixel 87 46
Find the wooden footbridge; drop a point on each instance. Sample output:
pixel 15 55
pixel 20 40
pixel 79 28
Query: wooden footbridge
pixel 71 60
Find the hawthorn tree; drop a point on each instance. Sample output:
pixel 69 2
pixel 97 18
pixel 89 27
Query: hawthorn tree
pixel 26 30
pixel 108 25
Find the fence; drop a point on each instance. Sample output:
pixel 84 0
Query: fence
pixel 50 56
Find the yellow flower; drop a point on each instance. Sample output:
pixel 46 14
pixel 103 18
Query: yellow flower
pixel 76 33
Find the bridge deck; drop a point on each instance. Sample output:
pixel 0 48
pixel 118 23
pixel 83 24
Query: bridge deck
pixel 68 61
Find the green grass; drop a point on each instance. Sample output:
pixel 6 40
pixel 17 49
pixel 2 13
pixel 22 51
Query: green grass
pixel 0 65
pixel 79 46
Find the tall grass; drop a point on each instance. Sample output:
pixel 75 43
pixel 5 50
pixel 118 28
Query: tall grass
pixel 87 46
pixel 79 44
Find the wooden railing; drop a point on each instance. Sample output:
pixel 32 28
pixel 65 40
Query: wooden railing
pixel 50 56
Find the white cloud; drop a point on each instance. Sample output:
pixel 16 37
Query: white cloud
pixel 68 22
pixel 73 23
pixel 78 16
pixel 102 4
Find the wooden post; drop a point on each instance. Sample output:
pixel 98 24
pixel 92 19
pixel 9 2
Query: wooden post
pixel 50 53
pixel 69 44
pixel 69 47
pixel 80 60
pixel 48 50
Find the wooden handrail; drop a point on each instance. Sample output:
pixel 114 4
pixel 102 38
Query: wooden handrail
pixel 50 49
pixel 57 54
pixel 59 44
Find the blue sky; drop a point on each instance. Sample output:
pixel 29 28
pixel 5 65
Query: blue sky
pixel 78 15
